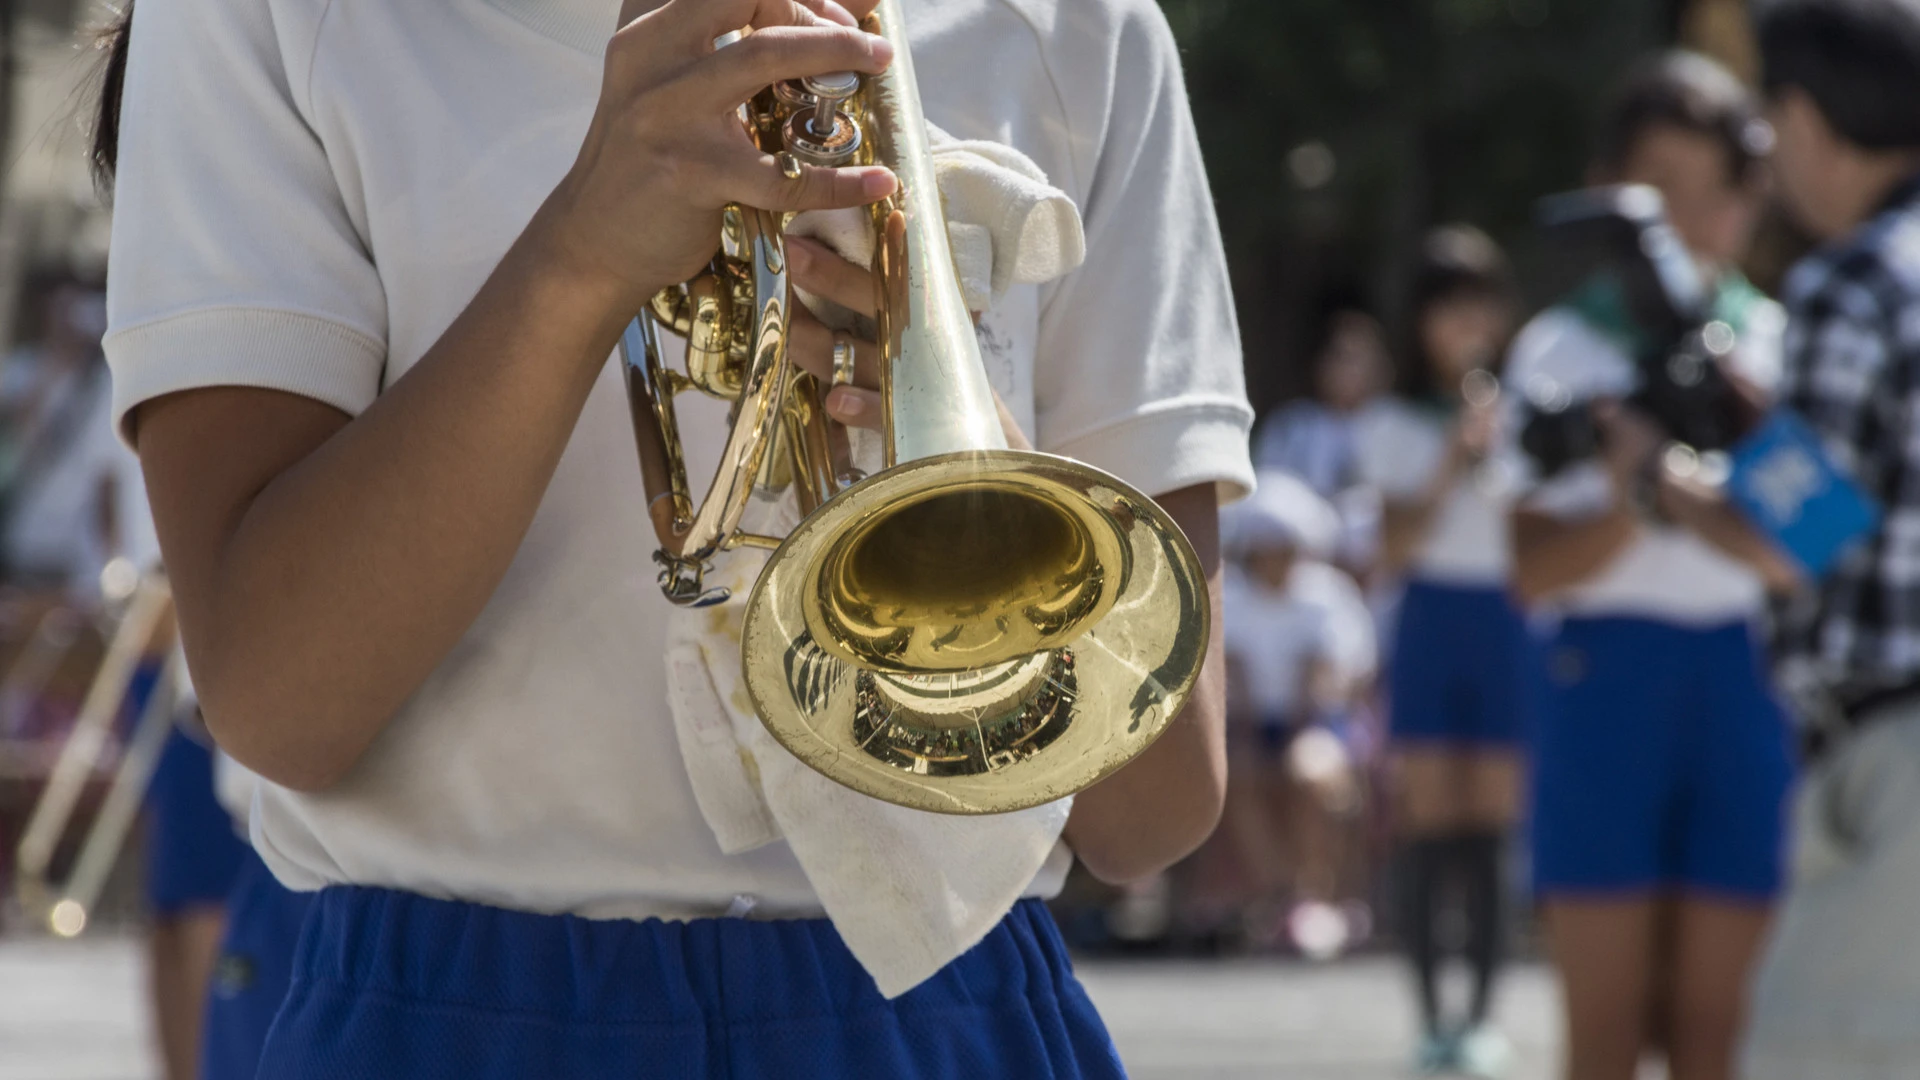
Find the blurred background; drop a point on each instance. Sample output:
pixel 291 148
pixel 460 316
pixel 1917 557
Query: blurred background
pixel 1337 132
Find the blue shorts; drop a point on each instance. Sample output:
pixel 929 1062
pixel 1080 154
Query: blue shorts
pixel 251 977
pixel 1457 667
pixel 193 854
pixel 390 984
pixel 1663 762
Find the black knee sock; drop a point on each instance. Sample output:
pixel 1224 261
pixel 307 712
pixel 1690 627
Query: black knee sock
pixel 1482 870
pixel 1423 868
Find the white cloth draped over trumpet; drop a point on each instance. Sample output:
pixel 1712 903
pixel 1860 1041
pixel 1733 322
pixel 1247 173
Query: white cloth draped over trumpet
pixel 908 890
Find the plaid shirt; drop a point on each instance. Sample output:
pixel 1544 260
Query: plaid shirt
pixel 1853 372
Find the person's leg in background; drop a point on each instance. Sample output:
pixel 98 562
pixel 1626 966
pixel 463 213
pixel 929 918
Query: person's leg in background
pixel 1492 777
pixel 181 949
pixel 1740 767
pixel 1603 949
pixel 1426 706
pixel 1494 780
pixel 193 859
pixel 1714 943
pixel 1603 773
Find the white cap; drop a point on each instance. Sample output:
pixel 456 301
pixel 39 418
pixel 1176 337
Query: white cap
pixel 1282 512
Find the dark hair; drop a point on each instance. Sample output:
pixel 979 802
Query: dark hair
pixel 1690 92
pixel 1859 60
pixel 1457 262
pixel 105 151
pixel 1335 299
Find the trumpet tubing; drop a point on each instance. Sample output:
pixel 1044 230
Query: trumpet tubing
pixel 972 629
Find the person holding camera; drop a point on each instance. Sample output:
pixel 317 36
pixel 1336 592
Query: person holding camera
pixel 1838 994
pixel 1662 758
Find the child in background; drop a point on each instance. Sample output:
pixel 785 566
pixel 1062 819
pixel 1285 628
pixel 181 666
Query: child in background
pixel 1300 650
pixel 1455 665
pixel 1314 438
pixel 1661 757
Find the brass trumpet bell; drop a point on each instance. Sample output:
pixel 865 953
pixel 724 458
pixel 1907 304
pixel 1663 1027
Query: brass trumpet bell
pixel 971 630
pixel 976 632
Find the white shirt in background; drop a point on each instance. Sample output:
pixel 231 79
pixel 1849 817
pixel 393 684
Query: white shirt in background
pixel 54 529
pixel 1667 574
pixel 1399 448
pixel 1320 446
pixel 306 203
pixel 1274 637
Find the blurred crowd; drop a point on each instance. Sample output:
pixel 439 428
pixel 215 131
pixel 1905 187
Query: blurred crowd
pixel 1540 608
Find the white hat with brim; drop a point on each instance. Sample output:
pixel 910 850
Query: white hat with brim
pixel 1282 512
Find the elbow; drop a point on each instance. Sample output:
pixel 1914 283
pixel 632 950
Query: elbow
pixel 1122 856
pixel 1529 586
pixel 280 739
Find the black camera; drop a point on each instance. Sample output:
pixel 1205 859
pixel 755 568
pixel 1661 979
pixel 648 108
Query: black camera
pixel 1619 238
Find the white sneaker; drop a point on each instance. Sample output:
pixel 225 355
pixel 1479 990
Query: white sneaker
pixel 1484 1053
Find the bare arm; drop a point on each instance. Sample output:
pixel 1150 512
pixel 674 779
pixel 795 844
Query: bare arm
pixel 1708 514
pixel 1551 555
pixel 1158 809
pixel 325 565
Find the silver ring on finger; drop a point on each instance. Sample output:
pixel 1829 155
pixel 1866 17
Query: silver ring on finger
pixel 843 357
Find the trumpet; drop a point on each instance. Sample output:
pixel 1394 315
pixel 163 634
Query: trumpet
pixel 970 630
pixel 65 907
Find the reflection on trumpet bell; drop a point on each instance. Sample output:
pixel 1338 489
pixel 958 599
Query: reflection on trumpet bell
pixel 964 575
pixel 1008 731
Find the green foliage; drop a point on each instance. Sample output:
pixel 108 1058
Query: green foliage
pixel 1432 111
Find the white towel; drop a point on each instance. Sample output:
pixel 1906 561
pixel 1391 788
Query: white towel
pixel 908 891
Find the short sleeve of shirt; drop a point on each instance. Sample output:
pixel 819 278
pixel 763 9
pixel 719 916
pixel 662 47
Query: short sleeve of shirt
pixel 235 260
pixel 1398 448
pixel 1140 353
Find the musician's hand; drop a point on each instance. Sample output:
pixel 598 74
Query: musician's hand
pixel 815 268
pixel 640 208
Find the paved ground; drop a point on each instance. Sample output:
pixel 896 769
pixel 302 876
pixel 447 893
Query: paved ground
pixel 73 1011
pixel 1251 1020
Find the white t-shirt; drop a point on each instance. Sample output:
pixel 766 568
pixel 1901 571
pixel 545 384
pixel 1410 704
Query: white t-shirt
pixel 1274 637
pixel 311 190
pixel 1399 447
pixel 1669 574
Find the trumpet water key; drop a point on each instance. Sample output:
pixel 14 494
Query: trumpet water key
pixel 970 630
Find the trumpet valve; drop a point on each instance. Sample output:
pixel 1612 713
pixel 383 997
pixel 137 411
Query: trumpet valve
pixel 819 131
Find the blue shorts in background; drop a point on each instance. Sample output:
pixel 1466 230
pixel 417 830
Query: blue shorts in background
pixel 1662 761
pixel 193 853
pixel 389 984
pixel 1457 670
pixel 251 977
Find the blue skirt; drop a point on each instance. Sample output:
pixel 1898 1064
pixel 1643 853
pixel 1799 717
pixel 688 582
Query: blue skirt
pixel 391 985
pixel 1663 762
pixel 1459 667
pixel 193 853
